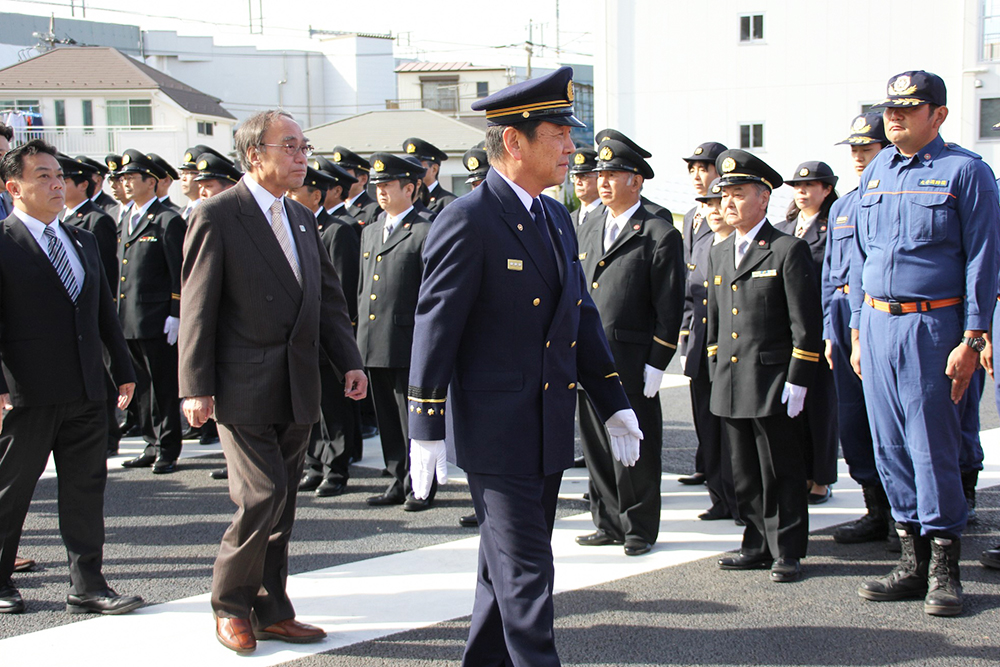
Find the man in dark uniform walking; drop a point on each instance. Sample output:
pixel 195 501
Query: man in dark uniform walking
pixel 430 157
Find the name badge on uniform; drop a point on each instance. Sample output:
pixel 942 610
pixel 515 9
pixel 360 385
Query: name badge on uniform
pixel 934 182
pixel 718 280
pixel 582 255
pixel 873 184
pixel 515 265
pixel 302 228
pixel 770 273
pixel 841 218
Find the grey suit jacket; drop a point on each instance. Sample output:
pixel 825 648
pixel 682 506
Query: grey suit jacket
pixel 250 334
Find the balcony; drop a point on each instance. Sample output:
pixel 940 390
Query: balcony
pixel 98 141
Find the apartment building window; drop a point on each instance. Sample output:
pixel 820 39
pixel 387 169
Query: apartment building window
pixel 25 106
pixel 60 107
pixel 989 26
pixel 989 115
pixel 130 113
pixel 752 28
pixel 87 107
pixel 752 135
pixel 482 88
pixel 439 93
pixel 205 127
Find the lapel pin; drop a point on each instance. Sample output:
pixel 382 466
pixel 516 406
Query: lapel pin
pixel 302 228
pixel 635 227
pixel 520 227
pixel 823 228
pixel 406 226
pixel 149 217
pixel 761 243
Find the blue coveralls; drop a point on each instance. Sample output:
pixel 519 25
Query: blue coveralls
pixel 855 434
pixel 926 230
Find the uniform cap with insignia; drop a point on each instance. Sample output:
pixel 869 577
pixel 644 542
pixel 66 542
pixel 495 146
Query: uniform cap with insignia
pixel 424 150
pixel 618 136
pixel 75 166
pixel 214 166
pixel 614 155
pixel 583 161
pixel 866 129
pixel 341 176
pixel 476 162
pixel 190 161
pixel 548 98
pixel 706 152
pixel 136 162
pixel 98 167
pixel 714 192
pixel 914 88
pixel 348 159
pixel 317 178
pixel 164 166
pixel 114 162
pixel 813 171
pixel 388 167
pixel 736 166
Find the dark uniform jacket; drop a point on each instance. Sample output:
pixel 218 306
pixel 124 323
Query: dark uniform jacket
pixel 815 236
pixel 107 202
pixel 659 211
pixel 389 285
pixel 95 220
pixel 344 249
pixel 598 212
pixel 250 333
pixel 51 349
pixel 638 286
pixel 439 198
pixel 691 237
pixel 695 322
pixel 149 288
pixel 503 336
pixel 764 323
pixel 364 210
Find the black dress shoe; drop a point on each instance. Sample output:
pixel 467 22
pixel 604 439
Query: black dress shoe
pixel 785 570
pixel 635 546
pixel 469 521
pixel 102 602
pixel 598 538
pixel 131 432
pixel 141 461
pixel 693 480
pixel 164 466
pixel 991 558
pixel 191 433
pixel 221 473
pixel 112 452
pixel 368 432
pixel 742 561
pixel 714 513
pixel 386 499
pixel 579 462
pixel 310 482
pixel 414 504
pixel 328 489
pixel 208 440
pixel 820 498
pixel 10 599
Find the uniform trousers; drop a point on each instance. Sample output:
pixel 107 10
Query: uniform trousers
pixel 971 455
pixel 512 617
pixel 75 434
pixel 334 437
pixel 852 414
pixel 265 464
pixel 770 477
pixel 713 451
pixel 157 395
pixel 389 391
pixel 915 426
pixel 820 427
pixel 624 501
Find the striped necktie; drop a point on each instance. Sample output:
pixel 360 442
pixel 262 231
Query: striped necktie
pixel 57 255
pixel 278 227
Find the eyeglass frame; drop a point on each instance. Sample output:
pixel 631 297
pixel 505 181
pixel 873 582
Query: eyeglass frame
pixel 307 150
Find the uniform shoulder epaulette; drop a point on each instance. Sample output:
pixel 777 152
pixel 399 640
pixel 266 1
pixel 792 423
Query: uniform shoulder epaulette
pixel 964 151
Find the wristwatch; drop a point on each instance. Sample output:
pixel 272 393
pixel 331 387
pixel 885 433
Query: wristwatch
pixel 978 343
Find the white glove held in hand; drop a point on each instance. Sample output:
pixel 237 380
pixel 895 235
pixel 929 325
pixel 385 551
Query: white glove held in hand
pixel 684 362
pixel 427 458
pixel 623 427
pixel 795 397
pixel 171 327
pixel 652 377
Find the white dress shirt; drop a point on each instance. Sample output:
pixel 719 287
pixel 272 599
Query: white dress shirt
pixel 748 237
pixel 391 223
pixel 619 222
pixel 264 200
pixel 37 229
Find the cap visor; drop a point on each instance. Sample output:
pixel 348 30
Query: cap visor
pixel 569 120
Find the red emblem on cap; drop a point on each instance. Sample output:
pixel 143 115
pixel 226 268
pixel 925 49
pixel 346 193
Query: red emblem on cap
pixel 635 227
pixel 761 243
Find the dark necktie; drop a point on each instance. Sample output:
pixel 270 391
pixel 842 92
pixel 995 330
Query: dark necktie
pixel 57 254
pixel 543 227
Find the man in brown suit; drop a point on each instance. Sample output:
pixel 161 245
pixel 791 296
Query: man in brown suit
pixel 259 298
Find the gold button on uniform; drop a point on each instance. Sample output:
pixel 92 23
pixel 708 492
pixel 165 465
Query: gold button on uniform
pixel 373 297
pixel 572 385
pixel 124 261
pixel 704 319
pixel 378 258
pixel 546 386
pixel 547 343
pixel 579 301
pixel 734 288
pixel 123 278
pixel 375 277
pixel 706 283
pixel 601 263
pixel 573 344
pixel 594 284
pixel 371 317
pixel 736 311
pixel 536 302
pixel 735 335
pixel 733 359
pixel 704 302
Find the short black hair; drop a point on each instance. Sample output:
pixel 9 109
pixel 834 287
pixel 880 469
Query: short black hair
pixel 12 164
pixel 316 188
pixel 84 178
pixel 7 132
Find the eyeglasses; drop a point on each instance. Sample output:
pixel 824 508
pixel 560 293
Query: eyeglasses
pixel 292 149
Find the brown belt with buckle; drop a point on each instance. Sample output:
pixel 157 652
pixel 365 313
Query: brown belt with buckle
pixel 898 308
pixel 846 289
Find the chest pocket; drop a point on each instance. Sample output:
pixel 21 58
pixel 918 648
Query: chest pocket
pixel 867 223
pixel 841 239
pixel 929 215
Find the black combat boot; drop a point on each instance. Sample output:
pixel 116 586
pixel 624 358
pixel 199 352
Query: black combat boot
pixel 873 526
pixel 909 578
pixel 969 480
pixel 944 590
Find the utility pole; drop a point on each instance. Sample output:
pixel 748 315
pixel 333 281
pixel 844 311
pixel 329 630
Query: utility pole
pixel 529 45
pixel 558 50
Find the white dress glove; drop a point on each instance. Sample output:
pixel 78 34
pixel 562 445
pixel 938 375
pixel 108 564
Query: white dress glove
pixel 171 327
pixel 652 377
pixel 684 361
pixel 427 459
pixel 795 397
pixel 623 427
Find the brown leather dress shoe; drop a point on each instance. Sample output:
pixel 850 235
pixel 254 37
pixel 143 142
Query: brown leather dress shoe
pixel 23 564
pixel 291 631
pixel 236 634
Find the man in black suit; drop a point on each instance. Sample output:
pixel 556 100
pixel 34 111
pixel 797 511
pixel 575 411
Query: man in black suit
pixel 430 157
pixel 763 343
pixel 6 136
pixel 359 203
pixel 99 196
pixel 701 168
pixel 150 251
pixel 632 261
pixel 391 269
pixel 583 173
pixel 56 319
